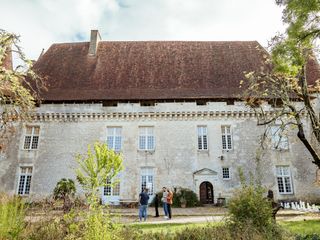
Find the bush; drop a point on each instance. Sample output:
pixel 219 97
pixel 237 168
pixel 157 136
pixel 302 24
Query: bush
pixel 181 193
pixel 65 189
pixel 249 209
pixel 12 214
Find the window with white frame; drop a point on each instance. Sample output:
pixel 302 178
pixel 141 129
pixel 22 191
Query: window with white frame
pixel 284 180
pixel 146 138
pixel 226 137
pixel 225 173
pixel 279 139
pixel 114 138
pixel 112 188
pixel 147 179
pixel 202 138
pixel 31 138
pixel 24 180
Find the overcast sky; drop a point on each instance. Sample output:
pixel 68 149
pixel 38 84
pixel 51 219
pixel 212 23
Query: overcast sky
pixel 43 22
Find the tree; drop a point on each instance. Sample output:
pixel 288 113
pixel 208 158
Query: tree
pixel 19 86
pixel 291 86
pixel 65 189
pixel 95 168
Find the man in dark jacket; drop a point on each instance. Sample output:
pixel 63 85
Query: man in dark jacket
pixel 143 204
pixel 156 205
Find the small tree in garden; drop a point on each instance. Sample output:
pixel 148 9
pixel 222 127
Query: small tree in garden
pixel 65 189
pixel 250 210
pixel 95 168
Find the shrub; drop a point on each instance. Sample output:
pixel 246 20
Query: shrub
pixel 250 212
pixel 65 189
pixel 12 214
pixel 181 193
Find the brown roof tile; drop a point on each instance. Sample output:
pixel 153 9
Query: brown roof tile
pixel 148 70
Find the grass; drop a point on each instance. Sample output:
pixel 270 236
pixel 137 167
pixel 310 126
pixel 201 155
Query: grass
pixel 172 227
pixel 296 227
pixel 302 227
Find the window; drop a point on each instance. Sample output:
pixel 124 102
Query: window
pixel 284 180
pixel 112 189
pixel 31 138
pixel 114 139
pixel 147 179
pixel 24 180
pixel 226 137
pixel 146 138
pixel 202 138
pixel 225 173
pixel 279 140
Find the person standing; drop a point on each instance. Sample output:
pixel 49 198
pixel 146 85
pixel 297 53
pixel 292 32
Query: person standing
pixel 169 202
pixel 156 205
pixel 164 202
pixel 143 204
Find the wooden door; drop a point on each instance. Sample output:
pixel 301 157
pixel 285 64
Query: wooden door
pixel 206 193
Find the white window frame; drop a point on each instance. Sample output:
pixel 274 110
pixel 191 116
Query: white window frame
pixel 25 176
pixel 284 178
pixel 223 169
pixel 113 188
pixel 149 142
pixel 279 140
pixel 113 136
pixel 34 137
pixel 147 179
pixel 226 135
pixel 202 135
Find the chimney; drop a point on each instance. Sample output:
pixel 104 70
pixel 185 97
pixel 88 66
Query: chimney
pixel 7 61
pixel 94 40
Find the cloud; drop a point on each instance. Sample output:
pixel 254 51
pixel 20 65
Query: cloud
pixel 43 22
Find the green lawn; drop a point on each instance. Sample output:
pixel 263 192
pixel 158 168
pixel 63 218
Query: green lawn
pixel 297 227
pixel 302 227
pixel 164 227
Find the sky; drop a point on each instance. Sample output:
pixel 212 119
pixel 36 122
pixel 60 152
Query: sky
pixel 41 23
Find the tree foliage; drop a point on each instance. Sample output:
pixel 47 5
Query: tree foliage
pixel 286 86
pixel 18 85
pixel 95 168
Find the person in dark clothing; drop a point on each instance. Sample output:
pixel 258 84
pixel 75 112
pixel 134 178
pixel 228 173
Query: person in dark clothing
pixel 156 205
pixel 143 204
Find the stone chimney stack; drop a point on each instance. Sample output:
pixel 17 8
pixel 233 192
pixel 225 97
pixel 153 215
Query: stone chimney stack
pixel 94 40
pixel 7 61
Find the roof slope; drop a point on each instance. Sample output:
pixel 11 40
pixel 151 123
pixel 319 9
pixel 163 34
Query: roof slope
pixel 148 70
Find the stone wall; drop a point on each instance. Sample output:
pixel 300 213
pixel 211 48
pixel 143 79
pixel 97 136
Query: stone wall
pixel 67 129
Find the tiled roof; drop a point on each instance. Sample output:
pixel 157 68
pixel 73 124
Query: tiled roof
pixel 150 70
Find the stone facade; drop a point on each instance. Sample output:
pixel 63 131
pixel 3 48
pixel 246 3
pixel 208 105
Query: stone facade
pixel 67 129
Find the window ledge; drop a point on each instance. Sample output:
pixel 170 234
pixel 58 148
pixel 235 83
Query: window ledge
pixel 29 150
pixel 203 150
pixel 226 179
pixel 146 151
pixel 227 151
pixel 286 193
pixel 281 149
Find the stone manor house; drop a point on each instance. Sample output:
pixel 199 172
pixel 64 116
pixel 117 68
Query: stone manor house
pixel 171 108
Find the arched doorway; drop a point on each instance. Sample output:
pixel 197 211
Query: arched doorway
pixel 206 193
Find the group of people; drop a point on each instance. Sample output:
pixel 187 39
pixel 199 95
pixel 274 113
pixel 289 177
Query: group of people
pixel 167 200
